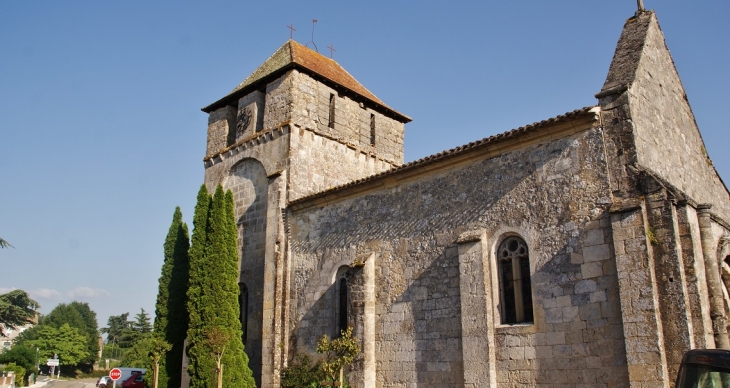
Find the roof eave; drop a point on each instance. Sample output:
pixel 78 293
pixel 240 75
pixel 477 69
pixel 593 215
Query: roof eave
pixel 587 117
pixel 236 94
pixel 293 65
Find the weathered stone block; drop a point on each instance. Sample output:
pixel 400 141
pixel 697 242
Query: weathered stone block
pixel 596 253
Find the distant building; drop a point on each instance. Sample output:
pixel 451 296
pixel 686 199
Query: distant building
pixel 588 249
pixel 11 334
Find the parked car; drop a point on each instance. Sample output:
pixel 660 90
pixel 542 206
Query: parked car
pixel 104 381
pixel 134 381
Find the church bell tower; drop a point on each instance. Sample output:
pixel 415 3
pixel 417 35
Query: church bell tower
pixel 297 126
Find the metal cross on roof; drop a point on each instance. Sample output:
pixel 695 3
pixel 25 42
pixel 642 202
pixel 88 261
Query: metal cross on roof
pixel 640 5
pixel 331 50
pixel 291 30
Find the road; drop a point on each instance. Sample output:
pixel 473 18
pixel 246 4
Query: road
pixel 84 383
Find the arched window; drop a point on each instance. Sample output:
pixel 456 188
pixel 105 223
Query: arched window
pixel 343 304
pixel 514 281
pixel 243 304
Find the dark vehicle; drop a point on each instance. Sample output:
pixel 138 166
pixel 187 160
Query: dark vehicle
pixel 704 368
pixel 134 381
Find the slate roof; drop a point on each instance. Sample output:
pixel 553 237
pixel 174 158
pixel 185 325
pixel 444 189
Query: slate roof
pixel 444 155
pixel 294 55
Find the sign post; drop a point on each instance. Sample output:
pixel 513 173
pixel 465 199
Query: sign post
pixel 115 374
pixel 53 363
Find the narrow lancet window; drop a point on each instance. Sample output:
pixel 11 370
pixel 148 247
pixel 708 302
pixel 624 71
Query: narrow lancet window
pixel 342 317
pixel 331 123
pixel 514 281
pixel 372 129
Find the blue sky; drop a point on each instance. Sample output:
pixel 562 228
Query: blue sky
pixel 102 133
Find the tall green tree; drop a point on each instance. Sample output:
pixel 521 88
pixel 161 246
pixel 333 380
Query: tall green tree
pixel 115 330
pixel 136 356
pixel 65 341
pixel 80 316
pixel 142 323
pixel 16 309
pixel 171 306
pixel 213 294
pixel 196 329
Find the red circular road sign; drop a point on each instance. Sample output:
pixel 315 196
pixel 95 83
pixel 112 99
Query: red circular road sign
pixel 115 374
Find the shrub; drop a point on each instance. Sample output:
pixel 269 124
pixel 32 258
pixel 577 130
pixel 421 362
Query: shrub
pixel 338 353
pixel 19 373
pixel 302 373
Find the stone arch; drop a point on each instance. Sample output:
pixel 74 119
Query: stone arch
pixel 250 185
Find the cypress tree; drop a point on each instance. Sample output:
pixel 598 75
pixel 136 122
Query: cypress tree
pixel 201 366
pixel 171 304
pixel 237 374
pixel 213 296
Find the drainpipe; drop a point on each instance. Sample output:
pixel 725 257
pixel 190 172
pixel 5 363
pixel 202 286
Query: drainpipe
pixel 714 283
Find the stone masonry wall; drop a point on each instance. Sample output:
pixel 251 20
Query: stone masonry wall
pixel 667 138
pixel 352 119
pixel 220 123
pixel 271 148
pixel 277 107
pixel 322 163
pixel 554 195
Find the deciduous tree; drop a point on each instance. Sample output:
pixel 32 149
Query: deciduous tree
pixel 66 341
pixel 216 341
pixel 338 353
pixel 137 355
pixel 158 348
pixel 80 316
pixel 21 355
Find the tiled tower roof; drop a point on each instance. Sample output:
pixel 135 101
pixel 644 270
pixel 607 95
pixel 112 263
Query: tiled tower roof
pixel 294 55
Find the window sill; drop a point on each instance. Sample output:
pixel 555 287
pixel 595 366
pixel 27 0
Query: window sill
pixel 516 328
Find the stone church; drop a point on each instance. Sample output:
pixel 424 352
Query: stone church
pixel 588 249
